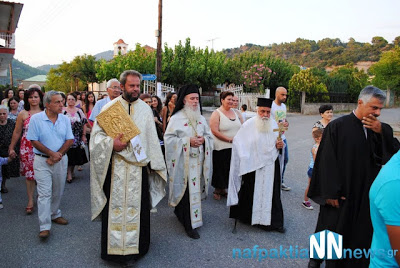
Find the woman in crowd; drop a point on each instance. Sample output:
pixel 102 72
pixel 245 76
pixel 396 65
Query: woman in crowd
pixel 76 154
pixel 326 112
pixel 8 94
pixel 83 99
pixel 78 103
pixel 156 105
pixel 21 93
pixel 90 102
pixel 6 131
pixel 64 99
pixel 13 108
pixel 33 104
pixel 168 109
pixel 224 123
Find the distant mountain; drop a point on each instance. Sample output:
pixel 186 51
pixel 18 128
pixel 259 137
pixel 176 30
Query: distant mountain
pixel 106 55
pixel 21 71
pixel 47 67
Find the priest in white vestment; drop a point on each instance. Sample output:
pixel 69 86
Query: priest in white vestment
pixel 122 192
pixel 188 154
pixel 255 174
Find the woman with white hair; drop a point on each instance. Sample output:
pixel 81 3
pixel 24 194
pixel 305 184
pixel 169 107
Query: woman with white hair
pixel 33 104
pixel 6 129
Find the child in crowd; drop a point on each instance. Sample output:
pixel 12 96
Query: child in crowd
pixel 243 109
pixel 317 135
pixel 3 161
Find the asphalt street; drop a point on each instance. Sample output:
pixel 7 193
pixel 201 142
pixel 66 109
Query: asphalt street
pixel 78 244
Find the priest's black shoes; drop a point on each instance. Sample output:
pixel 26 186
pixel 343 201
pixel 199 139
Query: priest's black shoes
pixel 281 230
pixel 270 228
pixel 193 234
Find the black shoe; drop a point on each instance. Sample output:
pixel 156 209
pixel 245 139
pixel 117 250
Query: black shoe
pixel 193 234
pixel 281 230
pixel 314 264
pixel 4 190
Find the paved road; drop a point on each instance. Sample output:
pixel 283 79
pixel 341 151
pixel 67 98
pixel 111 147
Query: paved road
pixel 78 244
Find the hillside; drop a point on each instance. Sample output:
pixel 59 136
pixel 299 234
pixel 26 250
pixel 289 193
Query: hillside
pixel 21 71
pixel 106 55
pixel 47 67
pixel 325 53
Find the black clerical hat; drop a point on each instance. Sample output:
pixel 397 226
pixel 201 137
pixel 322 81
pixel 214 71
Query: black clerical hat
pixel 264 102
pixel 183 91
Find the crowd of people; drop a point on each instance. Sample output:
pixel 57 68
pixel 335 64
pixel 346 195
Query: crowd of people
pixel 243 159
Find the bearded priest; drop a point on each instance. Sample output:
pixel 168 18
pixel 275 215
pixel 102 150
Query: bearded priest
pixel 254 192
pixel 188 149
pixel 122 192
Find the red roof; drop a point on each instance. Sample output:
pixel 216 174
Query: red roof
pixel 120 41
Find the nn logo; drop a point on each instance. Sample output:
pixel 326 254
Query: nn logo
pixel 326 245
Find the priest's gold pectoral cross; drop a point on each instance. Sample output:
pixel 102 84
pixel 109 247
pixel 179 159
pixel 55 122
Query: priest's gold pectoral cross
pixel 281 130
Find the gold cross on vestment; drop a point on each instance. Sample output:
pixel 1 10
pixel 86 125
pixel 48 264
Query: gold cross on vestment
pixel 281 130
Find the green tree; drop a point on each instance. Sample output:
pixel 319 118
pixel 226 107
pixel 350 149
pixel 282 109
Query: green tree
pixel 379 41
pixel 347 79
pixel 305 81
pixel 387 71
pixel 74 75
pixel 140 59
pixel 186 64
pixel 396 41
pixel 280 71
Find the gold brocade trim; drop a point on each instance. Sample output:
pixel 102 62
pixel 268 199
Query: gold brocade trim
pixel 131 227
pixel 116 227
pixel 132 212
pixel 129 173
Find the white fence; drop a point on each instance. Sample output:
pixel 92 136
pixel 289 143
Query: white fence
pixel 150 87
pixel 250 99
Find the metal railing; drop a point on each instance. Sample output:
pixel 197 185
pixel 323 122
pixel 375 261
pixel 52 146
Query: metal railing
pixel 7 40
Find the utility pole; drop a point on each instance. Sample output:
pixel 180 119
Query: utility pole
pixel 212 42
pixel 158 35
pixel 11 76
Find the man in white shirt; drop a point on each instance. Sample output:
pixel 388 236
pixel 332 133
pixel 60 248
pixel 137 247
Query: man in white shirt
pixel 113 90
pixel 278 113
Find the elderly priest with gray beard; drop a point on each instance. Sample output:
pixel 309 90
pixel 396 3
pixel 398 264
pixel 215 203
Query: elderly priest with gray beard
pixel 254 192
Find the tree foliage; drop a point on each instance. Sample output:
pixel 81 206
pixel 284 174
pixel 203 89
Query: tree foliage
pixel 306 81
pixel 279 70
pixel 325 52
pixel 140 59
pixel 347 79
pixel 387 70
pixel 74 75
pixel 186 64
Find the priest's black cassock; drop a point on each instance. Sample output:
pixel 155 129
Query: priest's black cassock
pixel 348 160
pixel 243 210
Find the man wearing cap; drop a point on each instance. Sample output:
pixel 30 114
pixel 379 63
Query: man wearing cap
pixel 254 180
pixel 188 149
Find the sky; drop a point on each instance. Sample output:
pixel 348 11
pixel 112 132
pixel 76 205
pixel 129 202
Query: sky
pixel 53 31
